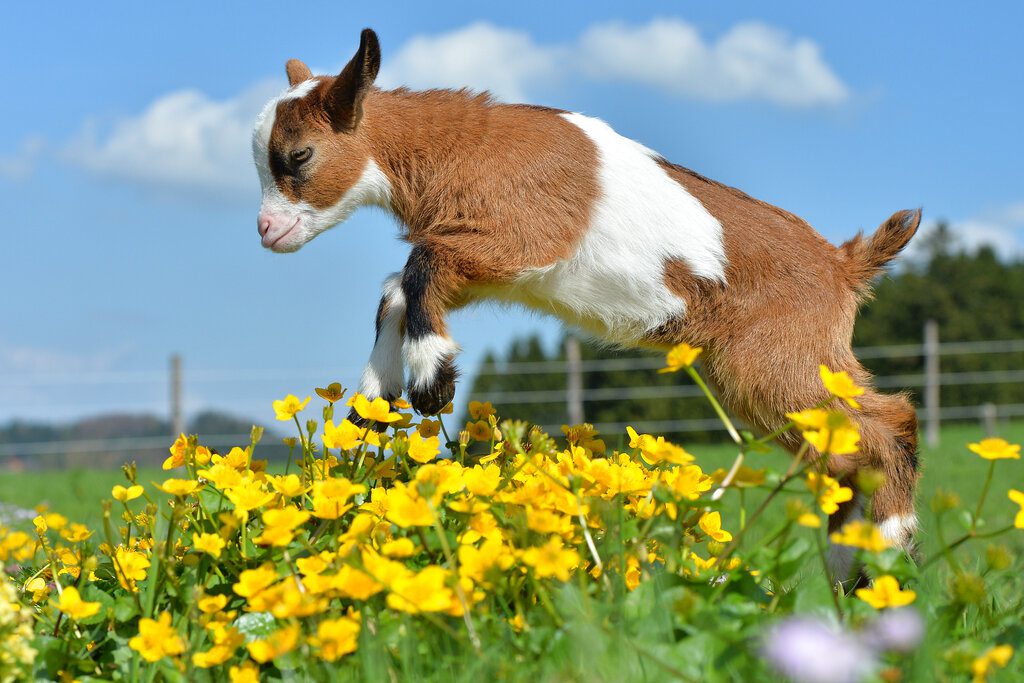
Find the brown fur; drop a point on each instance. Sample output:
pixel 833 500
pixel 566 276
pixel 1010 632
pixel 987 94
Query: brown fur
pixel 485 191
pixel 789 306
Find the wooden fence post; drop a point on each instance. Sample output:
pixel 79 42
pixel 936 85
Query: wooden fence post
pixel 574 381
pixel 177 419
pixel 931 383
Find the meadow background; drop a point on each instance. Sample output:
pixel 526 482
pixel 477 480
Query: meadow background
pixel 130 197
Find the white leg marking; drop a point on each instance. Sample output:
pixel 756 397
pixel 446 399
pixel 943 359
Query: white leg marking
pixel 899 529
pixel 424 357
pixel 385 373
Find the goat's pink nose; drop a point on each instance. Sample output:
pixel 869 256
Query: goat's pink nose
pixel 263 224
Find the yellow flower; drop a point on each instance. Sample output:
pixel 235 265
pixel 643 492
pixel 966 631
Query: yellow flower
pixel 76 533
pixel 886 592
pixel 680 356
pixel 248 496
pixel 406 508
pixel 279 526
pixel 278 643
pixel 222 475
pixel 828 492
pixel 745 477
pixel 552 559
pixel 345 436
pixel 252 581
pixel 809 520
pixel 71 604
pixel 479 430
pixel 996 449
pixel 211 604
pixel 286 409
pixel 331 497
pixel 841 385
pixel 125 494
pixel 429 428
pixel 157 639
pixel 177 449
pixel 38 588
pixel 131 567
pixel 425 591
pixel 332 393
pixel 861 534
pixel 399 547
pixel 245 673
pixel 999 656
pixel 423 450
pixel 377 410
pixel 477 563
pixel 481 410
pixel 178 487
pixel 211 544
pixel 1018 498
pixel 336 638
pixel 482 481
pixel 829 432
pixel 288 485
pixel 711 523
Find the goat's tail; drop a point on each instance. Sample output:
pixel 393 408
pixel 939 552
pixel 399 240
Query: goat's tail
pixel 867 257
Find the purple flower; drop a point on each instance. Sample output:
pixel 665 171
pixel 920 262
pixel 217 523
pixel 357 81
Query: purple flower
pixel 895 630
pixel 808 650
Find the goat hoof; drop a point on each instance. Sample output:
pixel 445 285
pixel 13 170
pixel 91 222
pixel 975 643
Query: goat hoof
pixel 430 399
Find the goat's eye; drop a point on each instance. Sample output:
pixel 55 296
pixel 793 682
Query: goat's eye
pixel 300 156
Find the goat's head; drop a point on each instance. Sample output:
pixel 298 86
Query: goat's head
pixel 312 153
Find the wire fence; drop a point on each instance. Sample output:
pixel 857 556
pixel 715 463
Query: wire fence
pixel 167 390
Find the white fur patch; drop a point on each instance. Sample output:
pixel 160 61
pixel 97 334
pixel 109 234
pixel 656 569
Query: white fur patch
pixel 371 189
pixel 384 374
pixel 899 529
pixel 614 284
pixel 424 357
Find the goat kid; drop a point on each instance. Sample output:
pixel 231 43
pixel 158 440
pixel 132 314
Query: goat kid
pixel 556 211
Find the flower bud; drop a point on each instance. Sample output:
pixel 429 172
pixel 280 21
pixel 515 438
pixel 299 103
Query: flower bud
pixel 464 438
pixel 870 480
pixel 998 557
pixel 968 588
pixel 255 434
pixel 944 501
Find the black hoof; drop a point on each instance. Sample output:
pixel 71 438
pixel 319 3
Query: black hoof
pixel 431 399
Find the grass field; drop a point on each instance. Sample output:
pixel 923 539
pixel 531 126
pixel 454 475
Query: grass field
pixel 950 466
pixel 686 629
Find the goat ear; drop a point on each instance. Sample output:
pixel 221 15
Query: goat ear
pixel 344 101
pixel 297 71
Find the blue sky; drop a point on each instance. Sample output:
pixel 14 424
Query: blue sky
pixel 130 201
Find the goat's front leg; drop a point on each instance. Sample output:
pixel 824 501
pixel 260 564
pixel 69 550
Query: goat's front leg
pixel 429 351
pixel 385 372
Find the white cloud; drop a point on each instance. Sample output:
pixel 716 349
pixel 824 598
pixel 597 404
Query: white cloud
pixel 751 61
pixel 480 56
pixel 184 140
pixel 1002 229
pixel 190 143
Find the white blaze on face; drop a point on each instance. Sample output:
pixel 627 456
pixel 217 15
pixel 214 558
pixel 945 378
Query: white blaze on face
pixel 285 225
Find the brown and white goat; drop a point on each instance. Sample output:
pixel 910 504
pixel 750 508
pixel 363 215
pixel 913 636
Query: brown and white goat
pixel 556 211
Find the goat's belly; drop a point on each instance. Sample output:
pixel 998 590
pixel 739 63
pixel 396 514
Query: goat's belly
pixel 615 304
